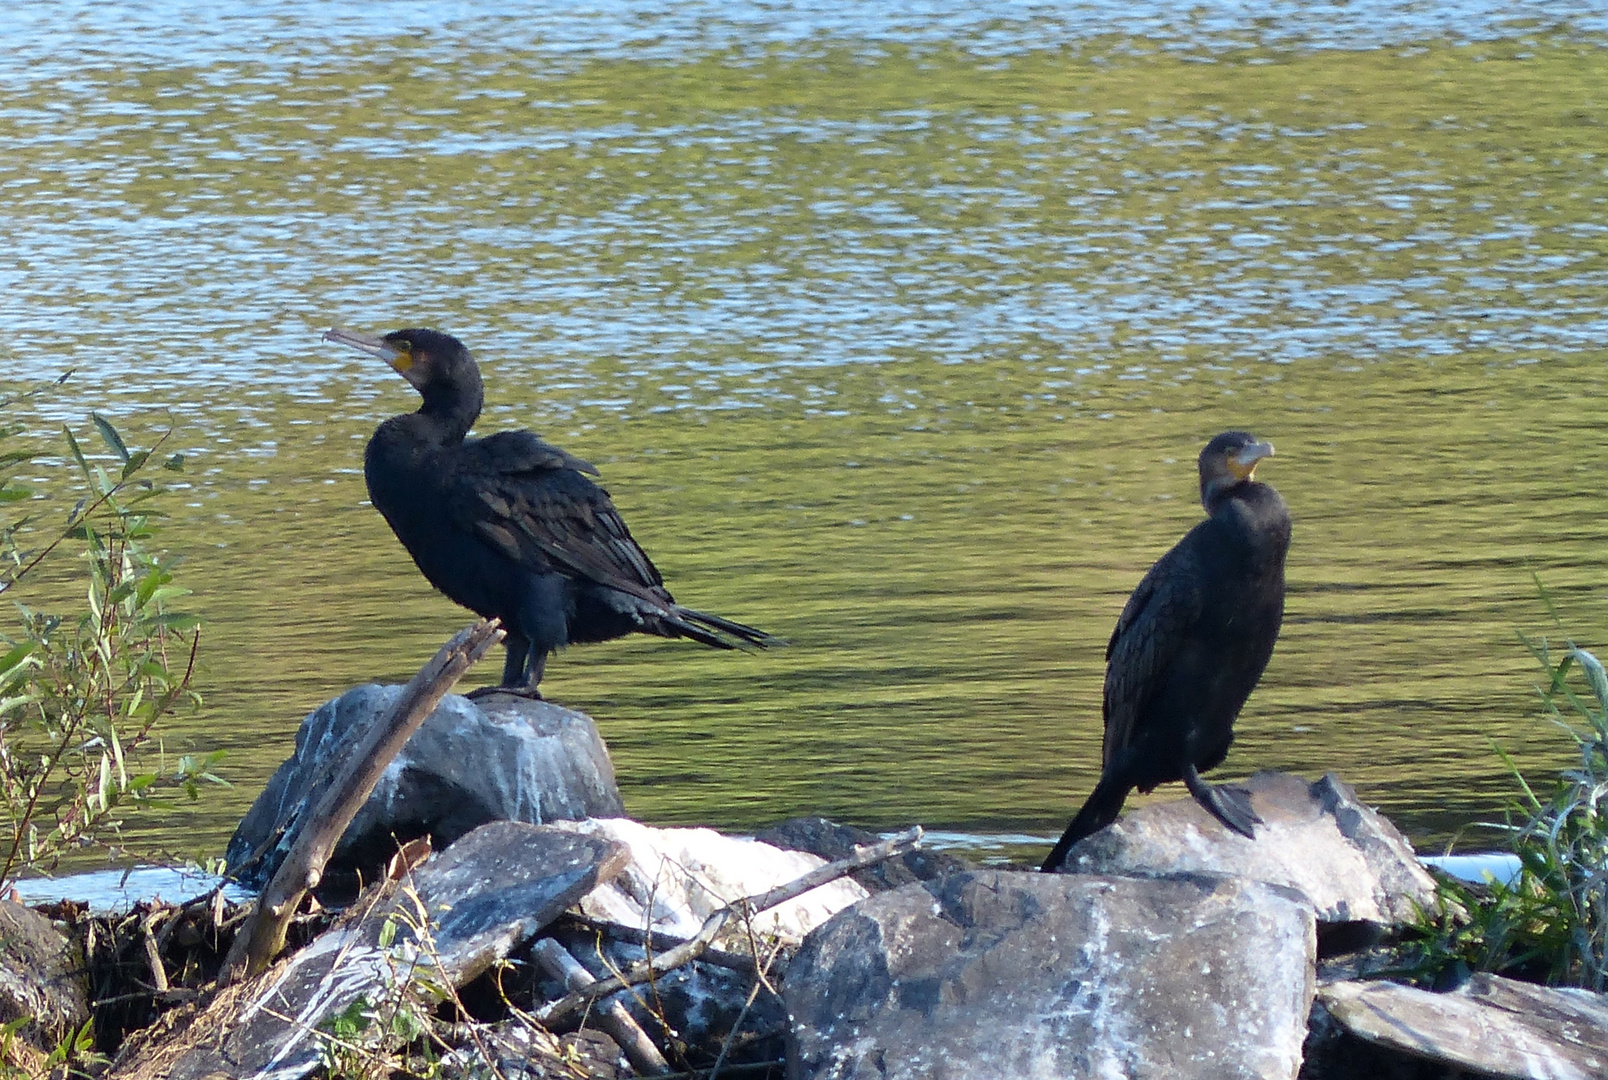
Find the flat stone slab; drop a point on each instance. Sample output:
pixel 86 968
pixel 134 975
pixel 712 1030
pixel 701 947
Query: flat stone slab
pixel 498 758
pixel 117 892
pixel 1490 1025
pixel 1031 976
pixel 1348 860
pixel 494 889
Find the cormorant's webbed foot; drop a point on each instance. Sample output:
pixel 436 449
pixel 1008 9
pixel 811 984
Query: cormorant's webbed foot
pixel 1229 805
pixel 530 693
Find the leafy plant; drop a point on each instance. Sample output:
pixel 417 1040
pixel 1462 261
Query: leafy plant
pixel 390 1031
pixel 82 693
pixel 1550 921
pixel 376 1039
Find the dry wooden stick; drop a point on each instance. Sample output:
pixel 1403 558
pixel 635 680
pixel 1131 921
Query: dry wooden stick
pixel 261 939
pixel 635 935
pixel 153 954
pixel 761 982
pixel 615 1020
pixel 565 1007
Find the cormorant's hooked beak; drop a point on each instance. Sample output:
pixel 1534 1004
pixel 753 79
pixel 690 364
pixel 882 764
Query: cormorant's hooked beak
pixel 1242 462
pixel 400 359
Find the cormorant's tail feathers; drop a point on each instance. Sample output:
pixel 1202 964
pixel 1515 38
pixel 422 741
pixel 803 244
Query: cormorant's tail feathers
pixel 714 631
pixel 1101 809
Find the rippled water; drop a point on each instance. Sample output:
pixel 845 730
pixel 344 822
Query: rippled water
pixel 895 335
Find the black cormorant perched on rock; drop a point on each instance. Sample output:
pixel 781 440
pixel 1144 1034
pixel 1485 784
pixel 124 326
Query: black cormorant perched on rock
pixel 509 526
pixel 1190 645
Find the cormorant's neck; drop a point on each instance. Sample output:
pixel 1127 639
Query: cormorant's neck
pixel 1215 495
pixel 452 409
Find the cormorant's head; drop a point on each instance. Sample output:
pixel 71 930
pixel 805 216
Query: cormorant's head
pixel 438 365
pixel 422 357
pixel 1229 460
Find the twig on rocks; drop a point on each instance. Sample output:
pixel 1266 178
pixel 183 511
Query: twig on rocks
pixel 613 1017
pixel 565 1007
pixel 176 996
pixel 741 963
pixel 761 982
pixel 261 939
pixel 153 955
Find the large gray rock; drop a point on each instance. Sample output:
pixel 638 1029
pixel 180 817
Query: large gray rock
pixel 502 758
pixel 1489 1027
pixel 1351 863
pixel 490 892
pixel 1020 975
pixel 43 977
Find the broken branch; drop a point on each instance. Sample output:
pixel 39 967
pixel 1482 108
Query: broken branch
pixel 565 1007
pixel 613 1018
pixel 261 939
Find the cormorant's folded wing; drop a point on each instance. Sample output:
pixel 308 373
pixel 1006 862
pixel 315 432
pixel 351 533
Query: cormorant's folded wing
pixel 1153 626
pixel 529 501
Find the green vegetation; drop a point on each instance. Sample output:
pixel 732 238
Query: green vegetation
pixel 1550 922
pixel 82 691
pixel 395 1032
pixel 375 1040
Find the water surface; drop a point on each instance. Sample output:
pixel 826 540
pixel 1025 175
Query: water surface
pixel 895 336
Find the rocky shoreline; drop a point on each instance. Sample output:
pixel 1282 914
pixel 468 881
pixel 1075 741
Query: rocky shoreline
pixel 1165 946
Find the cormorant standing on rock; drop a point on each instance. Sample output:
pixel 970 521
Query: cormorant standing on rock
pixel 508 526
pixel 1190 645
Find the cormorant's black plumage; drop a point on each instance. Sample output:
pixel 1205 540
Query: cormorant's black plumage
pixel 510 526
pixel 1191 644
